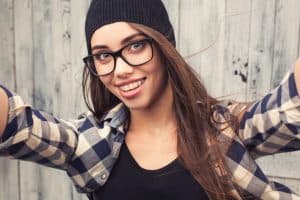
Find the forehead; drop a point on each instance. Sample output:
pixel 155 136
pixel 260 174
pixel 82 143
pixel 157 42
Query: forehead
pixel 112 34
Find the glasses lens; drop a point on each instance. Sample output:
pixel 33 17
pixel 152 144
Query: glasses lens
pixel 138 53
pixel 103 62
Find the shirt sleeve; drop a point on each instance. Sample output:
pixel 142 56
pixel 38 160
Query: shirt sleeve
pixel 33 135
pixel 272 124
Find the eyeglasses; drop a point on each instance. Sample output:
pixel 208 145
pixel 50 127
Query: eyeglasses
pixel 134 54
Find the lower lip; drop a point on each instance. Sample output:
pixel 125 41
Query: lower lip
pixel 132 93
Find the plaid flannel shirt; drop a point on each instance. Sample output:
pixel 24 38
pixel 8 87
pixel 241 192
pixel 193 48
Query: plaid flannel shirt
pixel 87 149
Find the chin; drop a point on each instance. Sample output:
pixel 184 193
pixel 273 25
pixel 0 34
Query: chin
pixel 137 105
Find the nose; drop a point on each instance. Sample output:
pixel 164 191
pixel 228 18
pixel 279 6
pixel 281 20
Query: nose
pixel 122 68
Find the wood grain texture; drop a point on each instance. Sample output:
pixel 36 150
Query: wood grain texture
pixel 78 51
pixel 261 48
pixel 286 44
pixel 9 170
pixel 240 49
pixel 201 39
pixel 236 48
pixel 29 173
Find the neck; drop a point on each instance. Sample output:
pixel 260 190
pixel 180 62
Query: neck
pixel 159 117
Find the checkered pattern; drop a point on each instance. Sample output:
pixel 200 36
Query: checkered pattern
pixel 87 149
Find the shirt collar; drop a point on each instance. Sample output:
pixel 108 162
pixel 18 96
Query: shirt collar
pixel 117 116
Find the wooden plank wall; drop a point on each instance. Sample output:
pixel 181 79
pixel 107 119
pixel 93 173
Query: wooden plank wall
pixel 240 48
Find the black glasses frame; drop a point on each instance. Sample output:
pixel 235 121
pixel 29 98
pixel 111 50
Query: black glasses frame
pixel 89 60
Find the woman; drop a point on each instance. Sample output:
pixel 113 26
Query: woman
pixel 153 131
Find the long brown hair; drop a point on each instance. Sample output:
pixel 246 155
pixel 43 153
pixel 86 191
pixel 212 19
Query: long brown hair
pixel 198 146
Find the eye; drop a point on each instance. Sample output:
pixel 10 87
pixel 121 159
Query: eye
pixel 102 56
pixel 137 46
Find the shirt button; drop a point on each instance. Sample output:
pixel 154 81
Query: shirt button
pixel 103 176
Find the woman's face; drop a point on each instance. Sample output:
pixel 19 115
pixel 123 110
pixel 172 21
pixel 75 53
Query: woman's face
pixel 137 87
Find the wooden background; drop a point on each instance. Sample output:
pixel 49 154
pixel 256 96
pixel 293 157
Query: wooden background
pixel 241 49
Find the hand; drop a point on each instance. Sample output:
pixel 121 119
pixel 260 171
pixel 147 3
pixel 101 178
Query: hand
pixel 3 110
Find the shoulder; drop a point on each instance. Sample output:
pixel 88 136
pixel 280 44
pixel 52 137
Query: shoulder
pixel 98 147
pixel 114 118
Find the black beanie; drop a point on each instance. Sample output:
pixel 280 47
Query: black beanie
pixel 151 13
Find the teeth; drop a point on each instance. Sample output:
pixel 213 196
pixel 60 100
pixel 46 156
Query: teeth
pixel 131 86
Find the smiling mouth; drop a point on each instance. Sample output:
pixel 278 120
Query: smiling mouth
pixel 132 86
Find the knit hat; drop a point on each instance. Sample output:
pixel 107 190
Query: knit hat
pixel 151 13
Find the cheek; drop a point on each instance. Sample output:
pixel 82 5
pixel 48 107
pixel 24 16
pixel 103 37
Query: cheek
pixel 160 68
pixel 106 81
pixel 159 72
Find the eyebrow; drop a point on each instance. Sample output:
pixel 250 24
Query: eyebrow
pixel 124 41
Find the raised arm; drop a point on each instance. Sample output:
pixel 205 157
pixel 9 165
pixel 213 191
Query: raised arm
pixel 33 135
pixel 272 124
pixel 3 111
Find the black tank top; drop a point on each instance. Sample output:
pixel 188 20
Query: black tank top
pixel 128 181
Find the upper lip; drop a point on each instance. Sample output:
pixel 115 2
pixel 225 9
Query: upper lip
pixel 119 84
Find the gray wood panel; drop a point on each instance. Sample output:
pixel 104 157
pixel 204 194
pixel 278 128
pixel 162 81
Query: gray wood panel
pixel 29 173
pixel 78 51
pixel 241 49
pixel 202 39
pixel 9 170
pixel 286 44
pixel 236 49
pixel 261 48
